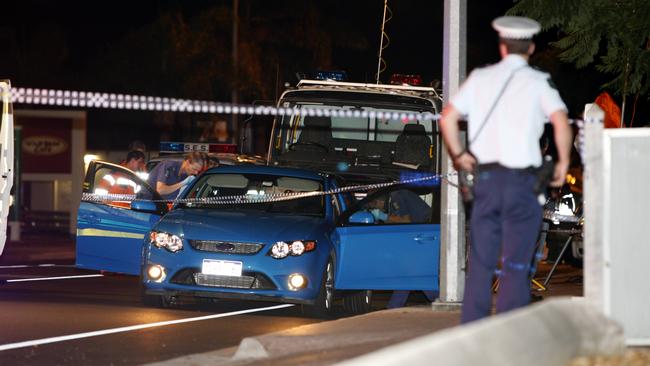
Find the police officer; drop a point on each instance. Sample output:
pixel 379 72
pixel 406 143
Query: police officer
pixel 169 176
pixel 506 106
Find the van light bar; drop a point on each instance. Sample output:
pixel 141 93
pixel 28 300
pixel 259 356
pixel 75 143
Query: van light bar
pixel 83 99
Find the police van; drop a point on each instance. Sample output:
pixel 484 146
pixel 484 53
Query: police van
pixel 366 138
pixel 363 133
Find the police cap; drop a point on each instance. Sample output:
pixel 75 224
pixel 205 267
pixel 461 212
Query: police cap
pixel 516 27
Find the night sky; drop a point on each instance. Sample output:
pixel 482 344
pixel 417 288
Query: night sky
pixel 182 49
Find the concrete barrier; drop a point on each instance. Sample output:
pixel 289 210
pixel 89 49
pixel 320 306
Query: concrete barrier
pixel 548 333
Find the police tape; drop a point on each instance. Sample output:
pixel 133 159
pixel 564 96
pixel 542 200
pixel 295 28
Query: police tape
pixel 85 99
pixel 266 198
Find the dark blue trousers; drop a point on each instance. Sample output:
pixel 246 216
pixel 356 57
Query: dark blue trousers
pixel 504 225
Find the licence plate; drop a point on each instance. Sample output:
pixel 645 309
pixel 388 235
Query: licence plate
pixel 221 268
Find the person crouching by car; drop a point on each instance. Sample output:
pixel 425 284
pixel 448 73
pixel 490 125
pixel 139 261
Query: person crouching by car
pixel 170 176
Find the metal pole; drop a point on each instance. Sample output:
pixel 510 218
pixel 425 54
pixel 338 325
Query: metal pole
pixel 235 65
pixel 381 41
pixel 452 226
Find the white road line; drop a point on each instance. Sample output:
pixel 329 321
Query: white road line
pixel 36 265
pixel 52 278
pixel 38 342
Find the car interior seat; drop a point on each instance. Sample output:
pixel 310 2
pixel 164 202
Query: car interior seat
pixel 412 146
pixel 316 130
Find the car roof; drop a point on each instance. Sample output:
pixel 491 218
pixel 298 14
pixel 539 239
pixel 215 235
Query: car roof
pixel 224 158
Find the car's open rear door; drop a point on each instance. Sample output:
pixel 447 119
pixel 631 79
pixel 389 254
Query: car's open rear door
pixel 110 233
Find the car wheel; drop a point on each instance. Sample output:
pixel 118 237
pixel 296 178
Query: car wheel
pixel 324 302
pixel 358 302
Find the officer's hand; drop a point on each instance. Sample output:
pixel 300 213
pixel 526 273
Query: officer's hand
pixel 187 180
pixel 379 214
pixel 465 162
pixel 559 174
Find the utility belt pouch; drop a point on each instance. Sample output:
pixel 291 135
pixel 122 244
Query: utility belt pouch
pixel 544 175
pixel 466 180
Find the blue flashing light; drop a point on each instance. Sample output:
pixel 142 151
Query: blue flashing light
pixel 342 166
pixel 172 147
pixel 428 179
pixel 331 75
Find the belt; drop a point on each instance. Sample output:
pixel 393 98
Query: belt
pixel 490 166
pixel 496 166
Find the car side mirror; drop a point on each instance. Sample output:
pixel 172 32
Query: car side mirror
pixel 144 206
pixel 362 217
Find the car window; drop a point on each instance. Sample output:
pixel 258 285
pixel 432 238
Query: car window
pixel 110 179
pixel 271 188
pixel 399 205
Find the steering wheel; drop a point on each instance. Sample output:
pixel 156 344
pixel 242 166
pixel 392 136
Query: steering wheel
pixel 309 143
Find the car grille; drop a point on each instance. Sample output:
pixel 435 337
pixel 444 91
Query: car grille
pixel 248 280
pixel 224 281
pixel 217 246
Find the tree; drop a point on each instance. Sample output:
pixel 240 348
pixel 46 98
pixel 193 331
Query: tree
pixel 613 34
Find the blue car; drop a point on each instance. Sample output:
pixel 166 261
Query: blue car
pixel 292 244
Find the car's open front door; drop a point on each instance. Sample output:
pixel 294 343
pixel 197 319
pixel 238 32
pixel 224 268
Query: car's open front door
pixel 110 234
pixel 376 252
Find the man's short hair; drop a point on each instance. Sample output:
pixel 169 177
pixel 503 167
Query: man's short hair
pixel 516 46
pixel 213 161
pixel 134 155
pixel 137 145
pixel 197 157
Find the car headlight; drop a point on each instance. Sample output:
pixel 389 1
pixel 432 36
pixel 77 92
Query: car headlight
pixel 171 242
pixel 282 249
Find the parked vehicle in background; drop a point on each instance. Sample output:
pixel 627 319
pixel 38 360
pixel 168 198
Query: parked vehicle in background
pixel 368 140
pixel 564 213
pixel 225 153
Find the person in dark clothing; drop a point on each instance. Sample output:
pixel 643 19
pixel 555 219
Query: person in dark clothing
pixel 168 177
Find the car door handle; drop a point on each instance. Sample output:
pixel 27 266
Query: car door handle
pixel 422 238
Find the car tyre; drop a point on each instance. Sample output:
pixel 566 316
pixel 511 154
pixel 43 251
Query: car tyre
pixel 358 302
pixel 324 303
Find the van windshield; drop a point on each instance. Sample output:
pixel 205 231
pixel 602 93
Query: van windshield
pixel 353 140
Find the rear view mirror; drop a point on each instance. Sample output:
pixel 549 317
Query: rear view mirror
pixel 362 217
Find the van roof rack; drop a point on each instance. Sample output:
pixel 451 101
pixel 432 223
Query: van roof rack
pixel 378 87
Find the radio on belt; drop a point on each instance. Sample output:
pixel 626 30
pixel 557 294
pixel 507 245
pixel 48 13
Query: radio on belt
pixel 184 147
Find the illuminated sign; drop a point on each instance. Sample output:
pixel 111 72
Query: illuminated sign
pixel 186 147
pixel 44 145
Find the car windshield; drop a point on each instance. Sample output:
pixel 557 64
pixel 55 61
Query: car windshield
pixel 233 187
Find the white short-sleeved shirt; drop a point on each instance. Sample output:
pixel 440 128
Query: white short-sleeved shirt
pixel 511 134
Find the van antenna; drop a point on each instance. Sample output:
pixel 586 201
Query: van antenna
pixel 381 64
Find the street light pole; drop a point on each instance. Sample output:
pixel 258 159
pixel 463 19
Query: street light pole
pixel 452 226
pixel 235 66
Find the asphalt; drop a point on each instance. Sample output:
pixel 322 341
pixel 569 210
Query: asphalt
pixel 321 343
pixel 339 340
pixel 39 248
